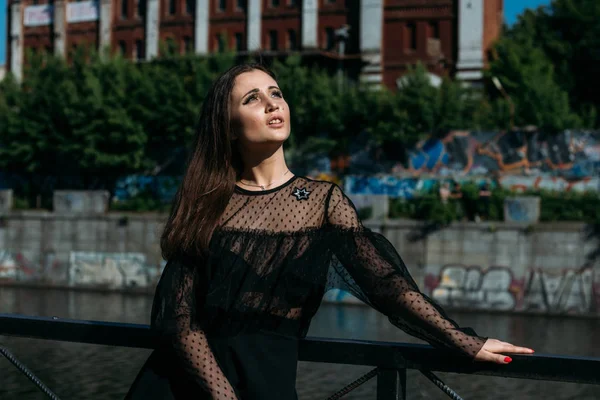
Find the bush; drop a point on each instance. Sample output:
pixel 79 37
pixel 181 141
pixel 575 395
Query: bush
pixel 143 202
pixel 554 206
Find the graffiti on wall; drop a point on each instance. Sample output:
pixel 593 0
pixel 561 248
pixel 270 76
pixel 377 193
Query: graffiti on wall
pixel 569 291
pixel 9 269
pixel 522 209
pixel 114 270
pixel 495 288
pixel 407 188
pixel 16 266
pixel 517 183
pixel 518 160
pixel 162 187
pixel 570 154
pixel 471 287
pixel 384 185
pixel 108 270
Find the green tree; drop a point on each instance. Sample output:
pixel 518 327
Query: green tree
pixel 165 100
pixel 14 153
pixel 528 76
pixel 325 116
pixel 68 126
pixel 568 33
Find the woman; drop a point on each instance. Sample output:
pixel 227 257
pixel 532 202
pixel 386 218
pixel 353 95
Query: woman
pixel 251 249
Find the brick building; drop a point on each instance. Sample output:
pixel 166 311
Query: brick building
pixel 378 39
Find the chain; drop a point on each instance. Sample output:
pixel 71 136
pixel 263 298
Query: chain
pixel 263 187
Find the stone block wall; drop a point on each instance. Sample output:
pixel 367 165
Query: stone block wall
pixel 59 248
pixel 497 267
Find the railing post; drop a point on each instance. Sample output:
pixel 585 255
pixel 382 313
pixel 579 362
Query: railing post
pixel 391 384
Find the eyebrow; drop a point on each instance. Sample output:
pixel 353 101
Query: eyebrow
pixel 257 90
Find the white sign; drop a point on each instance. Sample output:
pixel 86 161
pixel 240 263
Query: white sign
pixel 82 11
pixel 38 15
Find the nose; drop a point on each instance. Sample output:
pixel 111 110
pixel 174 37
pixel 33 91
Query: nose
pixel 272 105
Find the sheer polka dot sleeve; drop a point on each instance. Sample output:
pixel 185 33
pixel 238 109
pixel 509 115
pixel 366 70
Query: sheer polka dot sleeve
pixel 367 264
pixel 174 314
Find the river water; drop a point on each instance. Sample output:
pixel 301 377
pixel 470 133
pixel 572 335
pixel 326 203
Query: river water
pixel 81 371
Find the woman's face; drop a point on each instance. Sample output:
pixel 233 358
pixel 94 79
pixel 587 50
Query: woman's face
pixel 258 111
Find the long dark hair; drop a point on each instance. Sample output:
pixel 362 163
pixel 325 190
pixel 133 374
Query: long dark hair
pixel 210 176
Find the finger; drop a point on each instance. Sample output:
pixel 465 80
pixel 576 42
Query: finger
pixel 523 350
pixel 509 348
pixel 488 356
pixel 501 359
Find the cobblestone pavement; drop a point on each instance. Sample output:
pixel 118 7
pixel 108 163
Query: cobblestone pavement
pixel 81 371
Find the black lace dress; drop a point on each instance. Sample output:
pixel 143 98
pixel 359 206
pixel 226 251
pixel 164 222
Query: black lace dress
pixel 231 323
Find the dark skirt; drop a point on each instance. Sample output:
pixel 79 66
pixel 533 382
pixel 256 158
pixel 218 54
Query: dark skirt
pixel 260 366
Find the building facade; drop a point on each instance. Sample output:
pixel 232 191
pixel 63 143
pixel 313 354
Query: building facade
pixel 379 39
pixel 3 31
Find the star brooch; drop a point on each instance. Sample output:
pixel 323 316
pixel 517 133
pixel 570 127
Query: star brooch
pixel 301 194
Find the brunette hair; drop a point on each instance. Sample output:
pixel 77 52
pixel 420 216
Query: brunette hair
pixel 210 176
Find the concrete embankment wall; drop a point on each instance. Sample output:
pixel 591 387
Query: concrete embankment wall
pixel 497 266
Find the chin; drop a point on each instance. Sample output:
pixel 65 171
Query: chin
pixel 266 137
pixel 276 136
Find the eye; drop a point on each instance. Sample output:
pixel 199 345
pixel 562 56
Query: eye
pixel 250 98
pixel 277 93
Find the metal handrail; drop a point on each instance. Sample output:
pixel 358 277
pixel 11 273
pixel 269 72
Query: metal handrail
pixel 391 359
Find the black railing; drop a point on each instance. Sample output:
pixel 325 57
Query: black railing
pixel 391 359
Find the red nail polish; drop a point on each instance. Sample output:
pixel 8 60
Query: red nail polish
pixel 507 359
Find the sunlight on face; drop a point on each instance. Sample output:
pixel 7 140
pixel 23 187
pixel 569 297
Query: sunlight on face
pixel 259 113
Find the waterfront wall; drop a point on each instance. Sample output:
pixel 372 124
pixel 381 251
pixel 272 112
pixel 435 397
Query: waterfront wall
pixel 544 267
pixel 100 250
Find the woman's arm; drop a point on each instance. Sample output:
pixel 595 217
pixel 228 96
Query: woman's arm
pixel 173 315
pixel 369 264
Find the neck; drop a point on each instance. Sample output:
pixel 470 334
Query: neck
pixel 263 169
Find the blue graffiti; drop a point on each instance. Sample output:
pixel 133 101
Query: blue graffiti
pixel 431 153
pixel 161 187
pixel 386 185
pixel 569 154
pixel 517 210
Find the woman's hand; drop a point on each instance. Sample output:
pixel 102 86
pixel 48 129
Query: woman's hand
pixel 492 349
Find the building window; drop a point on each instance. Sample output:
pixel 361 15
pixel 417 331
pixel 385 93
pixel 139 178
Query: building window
pixel 273 40
pixel 171 7
pixel 124 9
pixel 240 5
pixel 329 38
pixel 187 45
pixel 190 7
pixel 122 47
pixel 411 36
pixel 140 8
pixel 274 3
pixel 220 42
pixel 221 5
pixel 292 40
pixel 138 53
pixel 239 42
pixel 434 30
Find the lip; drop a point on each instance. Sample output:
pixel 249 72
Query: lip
pixel 275 116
